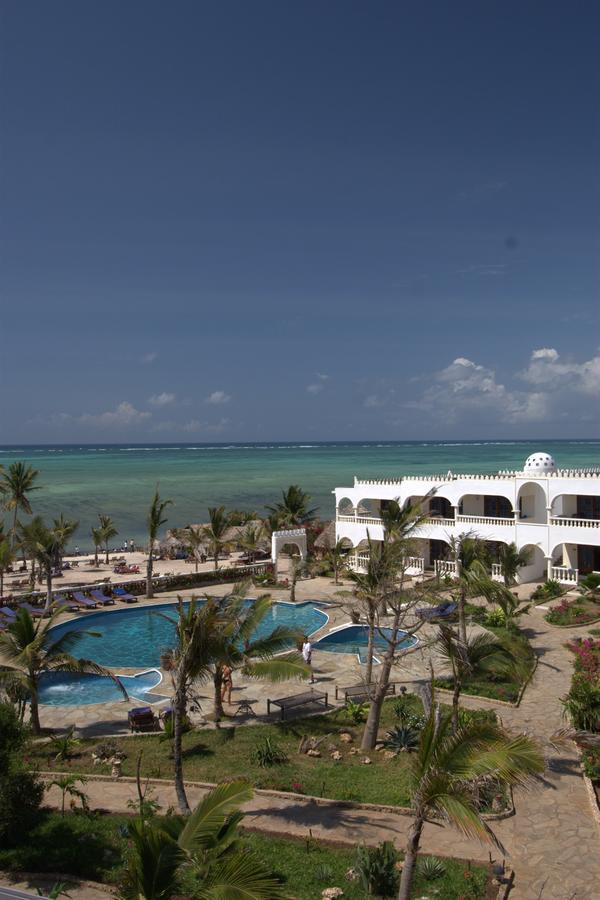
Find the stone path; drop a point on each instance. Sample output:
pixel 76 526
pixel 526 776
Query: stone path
pixel 553 841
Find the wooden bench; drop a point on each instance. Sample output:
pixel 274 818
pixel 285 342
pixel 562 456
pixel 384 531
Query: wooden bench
pixel 361 692
pixel 306 698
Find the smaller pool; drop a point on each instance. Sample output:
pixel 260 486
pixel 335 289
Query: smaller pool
pixel 354 639
pixel 74 689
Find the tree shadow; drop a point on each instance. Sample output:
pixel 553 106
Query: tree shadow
pixel 196 750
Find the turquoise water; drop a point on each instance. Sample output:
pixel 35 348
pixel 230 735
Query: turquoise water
pixel 70 689
pixel 134 638
pixel 119 480
pixel 354 638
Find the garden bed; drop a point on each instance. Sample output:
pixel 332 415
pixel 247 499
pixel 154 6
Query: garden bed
pixel 92 847
pixel 573 613
pixel 214 755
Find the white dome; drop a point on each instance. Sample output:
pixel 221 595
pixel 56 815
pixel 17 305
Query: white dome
pixel 539 463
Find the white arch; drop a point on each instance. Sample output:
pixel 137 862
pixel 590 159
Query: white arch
pixel 279 539
pixel 532 502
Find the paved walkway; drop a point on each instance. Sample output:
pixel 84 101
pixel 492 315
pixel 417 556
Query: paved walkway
pixel 553 841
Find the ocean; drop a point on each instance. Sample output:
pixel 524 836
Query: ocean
pixel 119 479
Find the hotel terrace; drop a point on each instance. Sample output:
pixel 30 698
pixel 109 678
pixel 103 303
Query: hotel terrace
pixel 554 513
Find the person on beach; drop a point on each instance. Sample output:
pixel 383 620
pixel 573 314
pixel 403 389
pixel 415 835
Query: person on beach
pixel 307 657
pixel 226 683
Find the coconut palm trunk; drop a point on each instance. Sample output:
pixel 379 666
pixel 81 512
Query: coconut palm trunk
pixel 34 709
pixel 149 569
pixel 410 857
pixel 462 616
pixel 179 715
pixel 370 645
pixel 369 737
pixel 218 685
pixel 48 589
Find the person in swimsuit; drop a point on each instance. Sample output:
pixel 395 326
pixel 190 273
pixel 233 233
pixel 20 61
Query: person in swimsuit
pixel 226 683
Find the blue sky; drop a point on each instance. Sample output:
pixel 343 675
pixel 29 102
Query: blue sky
pixel 266 220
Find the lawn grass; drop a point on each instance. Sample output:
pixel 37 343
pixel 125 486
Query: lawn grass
pixel 93 847
pixel 213 755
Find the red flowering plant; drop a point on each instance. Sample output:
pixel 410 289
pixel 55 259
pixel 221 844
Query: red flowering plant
pixel 587 657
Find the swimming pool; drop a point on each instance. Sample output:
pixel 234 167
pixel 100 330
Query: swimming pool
pixel 134 638
pixel 354 639
pixel 73 689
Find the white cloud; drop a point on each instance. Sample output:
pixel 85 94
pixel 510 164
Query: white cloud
pixel 372 401
pixel 547 370
pixel 124 414
pixel 317 386
pixel 148 358
pixel 218 397
pixel 193 426
pixel 161 399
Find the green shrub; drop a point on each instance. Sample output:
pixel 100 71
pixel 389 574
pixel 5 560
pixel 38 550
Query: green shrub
pixel 431 868
pixel 268 753
pixel 20 791
pixel 496 619
pixel 402 738
pixel 376 867
pixel 357 712
pixel 548 591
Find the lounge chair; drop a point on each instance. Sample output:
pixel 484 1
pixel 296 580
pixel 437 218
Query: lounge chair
pixel 82 601
pixel 443 611
pixel 34 611
pixel 7 612
pixel 101 598
pixel 124 596
pixel 142 719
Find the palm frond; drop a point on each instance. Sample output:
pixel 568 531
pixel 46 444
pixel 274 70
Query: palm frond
pixel 240 876
pixel 281 668
pixel 211 813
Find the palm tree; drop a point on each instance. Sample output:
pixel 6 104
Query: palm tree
pixel 64 529
pixel 28 649
pixel 370 589
pixel 196 651
pixel 252 540
pixel 208 843
pixel 482 653
pixel 471 556
pixel 293 509
pixel 156 518
pixel 193 537
pixel 6 560
pixel 16 483
pixel 215 532
pixel 108 531
pixel 98 539
pixel 337 557
pixel 512 559
pixel 67 784
pixel 44 545
pixel 448 765
pixel 238 647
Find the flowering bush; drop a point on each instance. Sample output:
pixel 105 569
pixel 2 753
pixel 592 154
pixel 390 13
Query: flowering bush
pixel 570 612
pixel 591 764
pixel 587 657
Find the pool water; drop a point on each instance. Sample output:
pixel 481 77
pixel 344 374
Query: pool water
pixel 134 638
pixel 354 639
pixel 73 689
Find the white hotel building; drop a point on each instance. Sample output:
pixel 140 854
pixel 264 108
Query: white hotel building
pixel 555 513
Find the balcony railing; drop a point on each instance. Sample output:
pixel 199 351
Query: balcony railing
pixel 414 565
pixel 564 575
pixel 576 523
pixel 497 572
pixel 443 567
pixel 361 520
pixel 484 520
pixel 438 520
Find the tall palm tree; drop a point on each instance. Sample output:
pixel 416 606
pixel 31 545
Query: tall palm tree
pixel 6 560
pixel 98 539
pixel 216 531
pixel 196 650
pixel 252 540
pixel 446 767
pixel 473 569
pixel 156 518
pixel 44 545
pixel 64 530
pixel 208 843
pixel 108 530
pixel 293 509
pixel 482 653
pixel 337 557
pixel 193 537
pixel 239 648
pixel 16 483
pixel 28 649
pixel 512 559
pixel 371 587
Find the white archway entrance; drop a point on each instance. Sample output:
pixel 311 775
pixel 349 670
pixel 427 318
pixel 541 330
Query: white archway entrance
pixel 279 539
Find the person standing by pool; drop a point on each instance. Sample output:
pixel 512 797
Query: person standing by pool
pixel 226 683
pixel 307 657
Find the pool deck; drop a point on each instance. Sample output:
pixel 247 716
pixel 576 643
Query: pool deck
pixel 330 669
